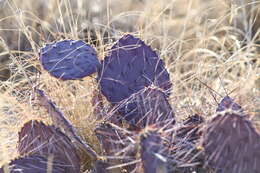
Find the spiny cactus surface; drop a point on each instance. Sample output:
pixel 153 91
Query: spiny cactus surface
pixel 100 167
pixel 228 103
pixel 152 152
pixel 69 59
pixel 36 137
pixel 134 79
pixel 231 144
pixel 184 156
pixel 190 128
pixel 115 142
pixel 36 164
pixel 147 106
pixel 131 66
pixel 108 136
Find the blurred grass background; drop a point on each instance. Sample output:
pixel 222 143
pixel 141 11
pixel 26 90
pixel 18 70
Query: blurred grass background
pixel 211 48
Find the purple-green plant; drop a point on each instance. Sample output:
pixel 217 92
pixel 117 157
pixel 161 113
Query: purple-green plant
pixel 36 163
pixel 69 59
pixel 140 134
pixel 230 142
pixel 154 152
pixel 37 138
pixel 146 107
pixel 130 66
pixel 228 103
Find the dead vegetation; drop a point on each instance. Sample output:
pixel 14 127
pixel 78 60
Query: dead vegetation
pixel 211 48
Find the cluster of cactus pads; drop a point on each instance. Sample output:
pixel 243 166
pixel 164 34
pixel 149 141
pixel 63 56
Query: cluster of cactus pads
pixel 143 135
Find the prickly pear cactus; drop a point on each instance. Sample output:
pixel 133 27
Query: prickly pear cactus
pixel 153 151
pixel 134 79
pixel 184 156
pixel 107 135
pixel 130 66
pixel 190 128
pixel 100 167
pixel 35 164
pixel 231 143
pixel 36 137
pixel 69 59
pixel 228 103
pixel 115 142
pixel 148 106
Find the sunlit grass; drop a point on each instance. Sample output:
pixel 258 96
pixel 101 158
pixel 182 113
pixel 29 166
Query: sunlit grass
pixel 206 54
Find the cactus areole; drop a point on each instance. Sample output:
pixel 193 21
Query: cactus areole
pixel 130 66
pixel 228 103
pixel 69 59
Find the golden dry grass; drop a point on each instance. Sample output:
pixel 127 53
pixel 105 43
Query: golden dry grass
pixel 207 45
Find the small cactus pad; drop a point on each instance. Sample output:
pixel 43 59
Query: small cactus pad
pixel 147 106
pixel 152 152
pixel 36 164
pixel 131 66
pixel 228 103
pixel 231 144
pixel 36 137
pixel 69 59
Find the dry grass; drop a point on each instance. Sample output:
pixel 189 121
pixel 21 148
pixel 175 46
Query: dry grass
pixel 207 45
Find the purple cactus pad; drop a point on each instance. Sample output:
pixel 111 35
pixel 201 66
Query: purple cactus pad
pixel 147 106
pixel 37 138
pixel 69 59
pixel 152 152
pixel 228 103
pixel 35 164
pixel 131 66
pixel 231 144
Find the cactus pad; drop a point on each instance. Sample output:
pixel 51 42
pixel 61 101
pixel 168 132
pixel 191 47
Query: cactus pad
pixel 228 103
pixel 184 156
pixel 36 137
pixel 152 152
pixel 114 141
pixel 147 106
pixel 131 66
pixel 107 136
pixel 69 59
pixel 231 144
pixel 190 128
pixel 35 164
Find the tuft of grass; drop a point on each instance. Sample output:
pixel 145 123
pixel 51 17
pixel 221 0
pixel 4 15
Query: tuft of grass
pixel 210 48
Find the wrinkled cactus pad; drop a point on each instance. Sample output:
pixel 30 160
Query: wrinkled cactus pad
pixel 36 164
pixel 231 144
pixel 130 66
pixel 69 59
pixel 36 137
pixel 147 106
